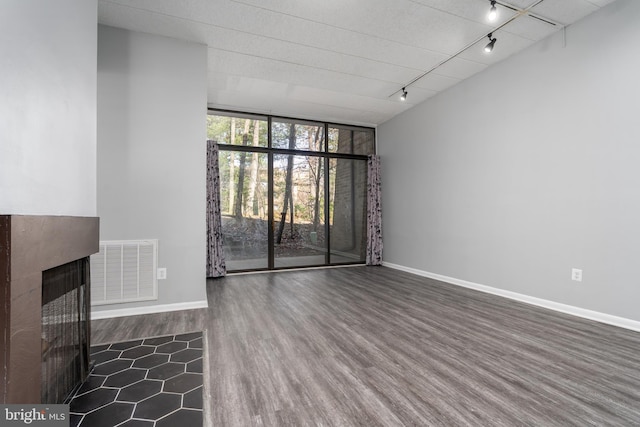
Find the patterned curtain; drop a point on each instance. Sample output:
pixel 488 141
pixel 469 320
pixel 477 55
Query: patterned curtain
pixel 216 266
pixel 374 212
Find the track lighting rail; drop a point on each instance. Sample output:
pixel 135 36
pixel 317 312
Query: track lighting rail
pixel 519 13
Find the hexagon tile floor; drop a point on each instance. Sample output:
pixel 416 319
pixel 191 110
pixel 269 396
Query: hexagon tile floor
pixel 153 382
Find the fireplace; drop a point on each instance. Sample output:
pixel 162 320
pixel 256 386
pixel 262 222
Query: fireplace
pixel 65 329
pixel 44 305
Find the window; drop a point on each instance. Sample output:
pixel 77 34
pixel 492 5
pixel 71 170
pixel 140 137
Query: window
pixel 291 197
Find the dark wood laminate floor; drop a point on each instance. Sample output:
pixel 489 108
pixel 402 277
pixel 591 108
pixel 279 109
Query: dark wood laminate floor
pixel 374 346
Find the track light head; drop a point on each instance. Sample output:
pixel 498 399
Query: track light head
pixel 403 97
pixel 492 41
pixel 493 12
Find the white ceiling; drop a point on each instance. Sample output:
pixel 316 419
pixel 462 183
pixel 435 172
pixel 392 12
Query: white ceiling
pixel 343 61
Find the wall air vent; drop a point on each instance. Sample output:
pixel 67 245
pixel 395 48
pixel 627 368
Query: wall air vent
pixel 124 271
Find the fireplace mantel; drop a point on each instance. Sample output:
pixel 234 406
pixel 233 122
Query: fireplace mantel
pixel 28 246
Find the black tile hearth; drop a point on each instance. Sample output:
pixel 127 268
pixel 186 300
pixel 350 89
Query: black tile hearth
pixel 105 356
pixel 158 340
pixel 196 343
pixel 187 355
pixel 137 423
pixel 182 383
pixel 125 378
pixel 137 352
pixel 195 366
pixel 140 391
pixel 74 420
pixel 99 348
pixel 92 383
pixel 151 361
pixel 158 406
pixel 109 415
pixel 189 337
pixel 171 347
pixel 125 345
pixel 193 399
pixel 112 366
pixel 143 383
pixel 182 417
pixel 93 400
pixel 166 371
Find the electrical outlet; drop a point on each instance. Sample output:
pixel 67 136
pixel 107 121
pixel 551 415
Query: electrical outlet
pixel 162 273
pixel 576 274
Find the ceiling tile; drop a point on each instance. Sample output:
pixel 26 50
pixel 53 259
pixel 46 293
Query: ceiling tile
pixel 565 11
pixel 601 3
pixel 520 4
pixel 261 103
pixel 221 82
pixel 530 28
pixel 346 100
pixel 472 10
pixel 265 68
pixel 295 54
pixel 435 82
pixel 459 68
pixel 113 14
pixel 401 21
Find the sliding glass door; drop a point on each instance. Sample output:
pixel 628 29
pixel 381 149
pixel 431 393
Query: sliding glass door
pixel 348 198
pixel 244 208
pixel 290 196
pixel 298 206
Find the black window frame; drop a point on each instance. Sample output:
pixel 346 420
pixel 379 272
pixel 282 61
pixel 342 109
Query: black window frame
pixel 272 151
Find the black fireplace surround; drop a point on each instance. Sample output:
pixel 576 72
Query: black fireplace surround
pixel 44 305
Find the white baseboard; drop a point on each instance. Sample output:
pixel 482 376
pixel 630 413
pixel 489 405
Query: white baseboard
pixel 564 308
pixel 160 308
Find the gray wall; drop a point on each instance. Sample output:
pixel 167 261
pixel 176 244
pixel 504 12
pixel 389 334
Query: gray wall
pixel 48 107
pixel 528 169
pixel 152 153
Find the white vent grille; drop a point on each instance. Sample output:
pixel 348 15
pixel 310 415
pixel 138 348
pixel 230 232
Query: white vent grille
pixel 124 271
